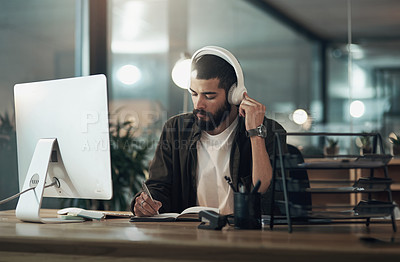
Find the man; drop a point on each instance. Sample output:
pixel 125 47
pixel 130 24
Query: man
pixel 197 150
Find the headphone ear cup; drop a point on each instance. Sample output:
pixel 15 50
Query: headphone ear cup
pixel 230 94
pixel 235 94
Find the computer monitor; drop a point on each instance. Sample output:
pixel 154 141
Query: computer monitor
pixel 63 137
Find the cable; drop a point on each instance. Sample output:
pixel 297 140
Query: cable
pixel 15 196
pixel 55 182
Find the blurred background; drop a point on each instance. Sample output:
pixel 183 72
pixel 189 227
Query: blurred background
pixel 317 65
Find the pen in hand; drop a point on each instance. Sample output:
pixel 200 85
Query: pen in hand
pixel 147 191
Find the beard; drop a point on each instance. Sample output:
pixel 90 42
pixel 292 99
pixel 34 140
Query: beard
pixel 215 120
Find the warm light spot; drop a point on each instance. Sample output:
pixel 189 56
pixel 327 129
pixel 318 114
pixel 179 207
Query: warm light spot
pixel 300 116
pixel 181 73
pixel 357 109
pixel 129 74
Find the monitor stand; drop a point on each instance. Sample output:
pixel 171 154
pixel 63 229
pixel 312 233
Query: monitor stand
pixel 30 202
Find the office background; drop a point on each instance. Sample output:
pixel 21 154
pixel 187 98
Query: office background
pixel 294 54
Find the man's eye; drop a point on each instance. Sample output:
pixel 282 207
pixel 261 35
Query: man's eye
pixel 210 97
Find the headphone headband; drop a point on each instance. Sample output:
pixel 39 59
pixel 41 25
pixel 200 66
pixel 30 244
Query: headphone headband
pixel 227 56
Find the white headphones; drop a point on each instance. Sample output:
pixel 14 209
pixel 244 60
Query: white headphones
pixel 236 92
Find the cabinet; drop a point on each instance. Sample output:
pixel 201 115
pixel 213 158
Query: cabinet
pixel 352 181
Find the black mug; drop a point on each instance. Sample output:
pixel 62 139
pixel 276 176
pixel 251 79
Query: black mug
pixel 247 210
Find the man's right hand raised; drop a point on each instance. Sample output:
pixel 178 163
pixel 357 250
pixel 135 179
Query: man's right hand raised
pixel 145 207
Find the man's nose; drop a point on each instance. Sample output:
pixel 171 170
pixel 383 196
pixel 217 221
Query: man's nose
pixel 199 102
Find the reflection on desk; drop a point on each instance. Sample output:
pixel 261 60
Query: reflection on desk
pixel 120 240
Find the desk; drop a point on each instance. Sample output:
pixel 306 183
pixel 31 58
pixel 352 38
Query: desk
pixel 120 240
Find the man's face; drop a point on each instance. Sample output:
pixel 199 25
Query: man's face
pixel 210 105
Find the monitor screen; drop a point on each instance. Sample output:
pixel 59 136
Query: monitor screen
pixel 73 111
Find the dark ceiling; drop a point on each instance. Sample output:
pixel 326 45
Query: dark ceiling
pixel 374 25
pixel 328 19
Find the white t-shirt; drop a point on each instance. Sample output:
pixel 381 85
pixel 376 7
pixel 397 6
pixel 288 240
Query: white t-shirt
pixel 213 157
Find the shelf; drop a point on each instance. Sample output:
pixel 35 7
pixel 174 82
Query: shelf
pixel 362 185
pixel 290 177
pixel 364 209
pixel 394 161
pixel 340 165
pixel 344 190
pixel 395 187
pixel 368 161
pixel 345 215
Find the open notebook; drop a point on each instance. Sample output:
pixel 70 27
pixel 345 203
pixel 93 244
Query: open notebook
pixel 189 214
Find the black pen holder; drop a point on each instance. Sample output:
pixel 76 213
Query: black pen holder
pixel 247 210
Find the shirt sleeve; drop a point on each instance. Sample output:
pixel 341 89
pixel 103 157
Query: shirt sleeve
pixel 160 169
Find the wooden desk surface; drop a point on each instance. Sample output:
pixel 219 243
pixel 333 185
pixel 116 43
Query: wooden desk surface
pixel 121 240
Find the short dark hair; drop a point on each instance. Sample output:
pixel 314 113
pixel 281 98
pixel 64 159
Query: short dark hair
pixel 211 66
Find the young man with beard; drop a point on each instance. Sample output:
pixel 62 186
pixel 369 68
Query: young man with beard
pixel 197 150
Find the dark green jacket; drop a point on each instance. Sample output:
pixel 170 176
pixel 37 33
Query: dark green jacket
pixel 172 172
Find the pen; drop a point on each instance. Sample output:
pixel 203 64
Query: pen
pixel 228 179
pixel 147 191
pixel 256 187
